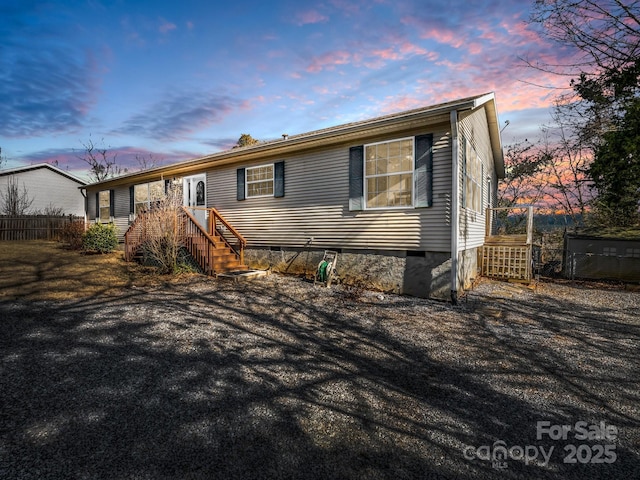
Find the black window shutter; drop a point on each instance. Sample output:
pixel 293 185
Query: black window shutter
pixel 167 187
pixel 356 180
pixel 112 203
pixel 424 171
pixel 131 200
pixel 98 205
pixel 240 184
pixel 278 179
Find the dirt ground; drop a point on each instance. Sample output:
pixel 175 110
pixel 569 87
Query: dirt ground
pixel 41 270
pixel 107 372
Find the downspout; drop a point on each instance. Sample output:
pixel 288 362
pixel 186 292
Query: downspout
pixel 455 213
pixel 83 192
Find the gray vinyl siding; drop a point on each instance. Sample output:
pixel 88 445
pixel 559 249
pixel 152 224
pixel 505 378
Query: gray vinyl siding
pixel 48 189
pixel 121 209
pixel 316 204
pixel 473 126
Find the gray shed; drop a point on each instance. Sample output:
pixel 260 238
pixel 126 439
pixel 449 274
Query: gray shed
pixel 602 258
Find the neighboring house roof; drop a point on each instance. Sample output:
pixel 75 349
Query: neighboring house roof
pixel 13 171
pixel 331 135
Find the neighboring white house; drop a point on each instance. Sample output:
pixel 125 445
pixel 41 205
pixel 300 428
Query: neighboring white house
pixel 48 186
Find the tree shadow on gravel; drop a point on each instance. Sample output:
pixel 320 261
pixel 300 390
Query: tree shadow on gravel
pixel 242 381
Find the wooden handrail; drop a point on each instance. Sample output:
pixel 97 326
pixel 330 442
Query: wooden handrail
pixel 200 242
pixel 133 237
pixel 229 227
pixel 198 226
pixel 213 216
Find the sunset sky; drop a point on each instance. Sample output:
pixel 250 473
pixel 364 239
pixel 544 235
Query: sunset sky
pixel 183 79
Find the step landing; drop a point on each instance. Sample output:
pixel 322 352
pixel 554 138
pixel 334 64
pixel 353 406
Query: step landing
pixel 243 275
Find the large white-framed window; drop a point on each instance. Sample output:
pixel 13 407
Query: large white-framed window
pixel 145 194
pixel 104 206
pixel 259 181
pixel 388 174
pixel 473 173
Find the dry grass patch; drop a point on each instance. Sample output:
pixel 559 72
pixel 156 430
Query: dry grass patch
pixel 39 270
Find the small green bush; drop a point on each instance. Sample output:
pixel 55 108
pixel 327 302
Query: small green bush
pixel 100 237
pixel 72 234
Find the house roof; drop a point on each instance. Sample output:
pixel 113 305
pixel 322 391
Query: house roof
pixel 13 171
pixel 337 134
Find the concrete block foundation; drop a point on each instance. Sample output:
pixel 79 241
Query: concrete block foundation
pixel 420 274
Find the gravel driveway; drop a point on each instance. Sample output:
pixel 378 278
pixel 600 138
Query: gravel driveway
pixel 280 379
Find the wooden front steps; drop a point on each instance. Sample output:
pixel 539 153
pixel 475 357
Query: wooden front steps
pixel 210 249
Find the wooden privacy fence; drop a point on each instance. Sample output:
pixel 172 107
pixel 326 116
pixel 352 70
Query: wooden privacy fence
pixel 34 227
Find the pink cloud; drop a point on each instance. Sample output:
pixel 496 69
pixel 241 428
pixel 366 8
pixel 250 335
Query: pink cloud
pixel 475 48
pixel 310 17
pixel 402 51
pixel 386 54
pixel 346 7
pixel 328 61
pixel 399 104
pixel 166 27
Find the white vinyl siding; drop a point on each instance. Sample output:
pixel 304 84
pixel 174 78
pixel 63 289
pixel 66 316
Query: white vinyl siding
pixel 49 189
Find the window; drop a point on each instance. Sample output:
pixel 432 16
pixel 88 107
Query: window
pixel 609 251
pixel 389 174
pixel 392 174
pixel 259 182
pixel 472 166
pixel 147 193
pixel 104 206
pixel 633 252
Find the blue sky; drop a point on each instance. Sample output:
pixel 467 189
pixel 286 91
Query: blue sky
pixel 182 79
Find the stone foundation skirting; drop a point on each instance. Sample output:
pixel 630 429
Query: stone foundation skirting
pixel 420 274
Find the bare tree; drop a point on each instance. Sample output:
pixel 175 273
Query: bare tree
pixel 565 179
pixel 524 162
pixel 147 161
pixel 102 164
pixel 551 173
pixel 15 202
pixel 2 159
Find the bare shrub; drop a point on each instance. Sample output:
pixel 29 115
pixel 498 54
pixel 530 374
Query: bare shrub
pixel 72 233
pixel 165 232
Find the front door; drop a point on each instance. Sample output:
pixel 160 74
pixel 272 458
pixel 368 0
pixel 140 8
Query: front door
pixel 194 189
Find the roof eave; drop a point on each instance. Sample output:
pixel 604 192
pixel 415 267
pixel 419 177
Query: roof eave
pixel 332 135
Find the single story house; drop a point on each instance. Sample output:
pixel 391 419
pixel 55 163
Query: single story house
pixel 393 195
pixel 49 188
